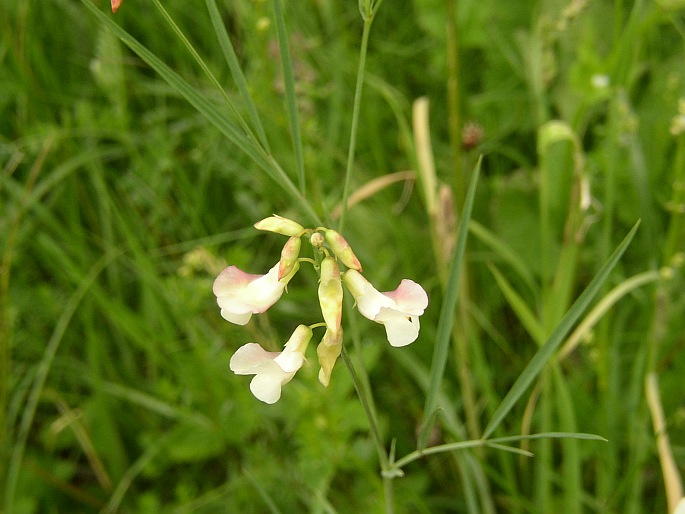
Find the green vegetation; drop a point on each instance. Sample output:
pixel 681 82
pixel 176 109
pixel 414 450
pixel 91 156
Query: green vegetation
pixel 523 161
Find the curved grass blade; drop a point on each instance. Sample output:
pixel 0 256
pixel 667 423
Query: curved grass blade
pixel 289 82
pixel 539 360
pixel 196 56
pixel 228 128
pixel 447 314
pixel 236 70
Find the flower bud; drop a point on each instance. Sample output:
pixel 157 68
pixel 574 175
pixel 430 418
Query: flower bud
pixel 331 294
pixel 328 352
pixel 280 225
pixel 289 255
pixel 316 240
pixel 342 249
pixel 299 341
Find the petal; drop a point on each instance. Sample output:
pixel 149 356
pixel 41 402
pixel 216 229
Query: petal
pixel 400 330
pixel 409 297
pixel 232 280
pixel 371 302
pixel 238 319
pixel 266 388
pixel 265 291
pixel 290 362
pixel 249 358
pixel 239 293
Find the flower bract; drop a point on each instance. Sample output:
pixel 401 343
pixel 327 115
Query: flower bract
pixel 398 311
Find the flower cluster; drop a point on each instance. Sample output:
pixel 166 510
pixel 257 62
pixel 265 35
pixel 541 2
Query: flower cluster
pixel 240 295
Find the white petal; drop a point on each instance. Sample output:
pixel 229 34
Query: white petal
pixel 266 388
pixel 290 362
pixel 238 319
pixel 249 358
pixel 264 292
pixel 400 330
pixel 371 302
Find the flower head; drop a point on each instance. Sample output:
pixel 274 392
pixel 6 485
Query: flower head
pixel 397 310
pixel 271 370
pixel 240 294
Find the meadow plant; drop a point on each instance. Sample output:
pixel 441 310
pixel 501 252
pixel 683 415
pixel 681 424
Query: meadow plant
pixel 541 209
pixel 240 295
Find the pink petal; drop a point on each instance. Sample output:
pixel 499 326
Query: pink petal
pixel 409 297
pixel 231 280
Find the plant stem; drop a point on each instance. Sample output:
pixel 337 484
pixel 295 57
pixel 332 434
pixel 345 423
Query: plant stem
pixel 361 385
pixel 454 116
pixel 368 20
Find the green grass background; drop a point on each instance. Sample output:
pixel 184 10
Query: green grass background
pixel 120 202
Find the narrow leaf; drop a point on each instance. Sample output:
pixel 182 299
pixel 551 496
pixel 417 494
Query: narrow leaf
pixel 539 360
pixel 447 314
pixel 289 83
pixel 522 311
pixel 236 70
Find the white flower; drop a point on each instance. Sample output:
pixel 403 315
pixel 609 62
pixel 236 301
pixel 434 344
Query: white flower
pixel 272 370
pixel 397 310
pixel 240 294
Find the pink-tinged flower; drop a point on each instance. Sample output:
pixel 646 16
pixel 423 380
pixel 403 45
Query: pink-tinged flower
pixel 115 5
pixel 240 294
pixel 271 370
pixel 397 310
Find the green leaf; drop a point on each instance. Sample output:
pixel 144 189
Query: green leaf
pixel 539 360
pixel 290 98
pixel 236 70
pixel 447 314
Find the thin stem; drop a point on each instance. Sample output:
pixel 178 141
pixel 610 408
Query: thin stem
pixel 361 385
pixel 369 409
pixel 454 117
pixel 368 20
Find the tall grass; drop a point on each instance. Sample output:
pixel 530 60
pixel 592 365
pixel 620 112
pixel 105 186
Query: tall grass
pixel 499 154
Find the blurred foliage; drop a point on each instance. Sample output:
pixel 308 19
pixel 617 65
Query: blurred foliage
pixel 118 199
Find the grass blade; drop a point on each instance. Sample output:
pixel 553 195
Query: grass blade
pixel 539 360
pixel 42 373
pixel 290 98
pixel 236 70
pixel 209 110
pixel 447 314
